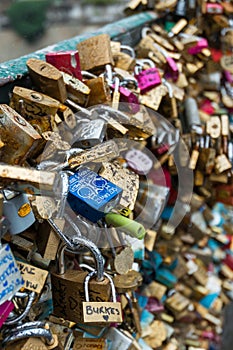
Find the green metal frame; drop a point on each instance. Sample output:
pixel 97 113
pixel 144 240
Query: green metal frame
pixel 126 30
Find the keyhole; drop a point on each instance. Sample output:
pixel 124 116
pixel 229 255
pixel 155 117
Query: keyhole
pixel 36 96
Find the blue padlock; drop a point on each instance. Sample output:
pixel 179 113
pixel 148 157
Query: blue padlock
pixel 91 195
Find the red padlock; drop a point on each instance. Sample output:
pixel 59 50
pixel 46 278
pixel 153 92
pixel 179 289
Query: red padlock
pixel 66 61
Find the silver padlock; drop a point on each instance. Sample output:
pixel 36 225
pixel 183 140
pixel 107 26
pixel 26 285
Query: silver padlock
pixel 89 133
pixel 18 211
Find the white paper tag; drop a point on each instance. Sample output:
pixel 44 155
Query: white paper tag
pixel 10 278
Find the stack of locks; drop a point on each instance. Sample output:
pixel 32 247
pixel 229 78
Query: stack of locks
pixel 116 189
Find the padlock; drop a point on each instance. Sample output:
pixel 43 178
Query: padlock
pixel 77 91
pixel 91 195
pixel 121 254
pixel 101 312
pixel 222 164
pixel 128 282
pixel 192 118
pixel 141 124
pixel 5 310
pixel 18 211
pixel 132 314
pixel 88 133
pixel 34 103
pixel 68 289
pixel 213 9
pixel 129 100
pixel 147 78
pixel 99 91
pixel 172 68
pixel 47 240
pixel 153 97
pixel 102 152
pixel 47 79
pixel 19 137
pixel 122 59
pixel 95 53
pixel 90 343
pixel 66 61
pixel 139 161
pixel 124 178
pixel 29 180
pixel 11 279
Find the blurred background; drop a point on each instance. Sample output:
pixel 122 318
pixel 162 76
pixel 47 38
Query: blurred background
pixel 30 25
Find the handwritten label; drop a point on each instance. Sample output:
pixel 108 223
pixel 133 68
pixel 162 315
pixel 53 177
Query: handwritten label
pixel 102 312
pixel 89 343
pixel 33 277
pixel 10 278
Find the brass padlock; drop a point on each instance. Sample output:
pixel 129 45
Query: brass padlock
pixel 47 240
pixel 101 312
pixel 34 103
pixel 77 91
pixel 47 79
pixel 122 59
pixel 95 53
pixel 19 137
pixel 68 288
pixel 99 91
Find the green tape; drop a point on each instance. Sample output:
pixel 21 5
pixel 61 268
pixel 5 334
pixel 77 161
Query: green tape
pixel 131 227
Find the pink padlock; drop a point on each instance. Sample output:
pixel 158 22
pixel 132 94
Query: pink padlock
pixel 126 96
pixel 201 44
pixel 147 78
pixel 214 9
pixel 129 97
pixel 5 310
pixel 172 71
pixel 66 61
pixel 228 76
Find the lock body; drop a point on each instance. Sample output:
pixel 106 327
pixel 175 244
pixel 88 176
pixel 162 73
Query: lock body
pixel 89 133
pixel 66 61
pixel 47 79
pixel 19 137
pixel 18 212
pixel 148 79
pixel 68 294
pixel 95 53
pixel 91 195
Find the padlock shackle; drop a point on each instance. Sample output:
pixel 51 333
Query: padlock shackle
pixel 22 327
pixel 13 320
pixel 146 31
pixel 129 49
pixel 94 250
pixel 74 244
pixel 90 276
pixel 81 241
pixel 28 333
pixel 60 233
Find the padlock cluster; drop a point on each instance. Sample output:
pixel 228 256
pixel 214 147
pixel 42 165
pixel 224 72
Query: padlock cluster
pixel 116 189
